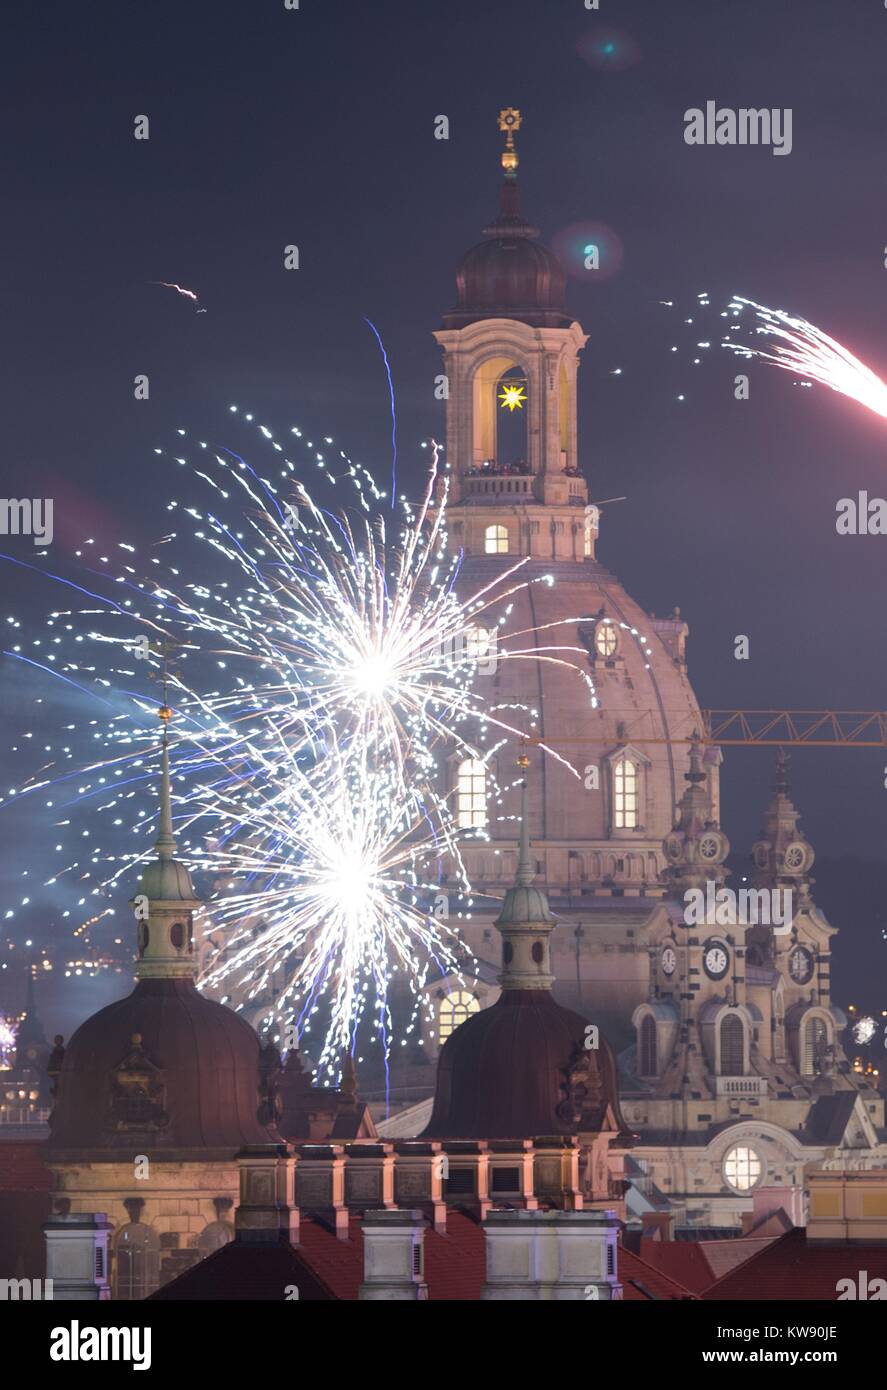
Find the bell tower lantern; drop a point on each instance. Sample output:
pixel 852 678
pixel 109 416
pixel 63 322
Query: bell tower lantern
pixel 511 357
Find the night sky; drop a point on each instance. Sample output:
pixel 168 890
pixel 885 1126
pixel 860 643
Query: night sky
pixel 315 127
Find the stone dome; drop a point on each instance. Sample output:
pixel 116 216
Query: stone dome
pixel 166 1071
pixel 520 1069
pixel 643 693
pixel 510 275
pixel 167 880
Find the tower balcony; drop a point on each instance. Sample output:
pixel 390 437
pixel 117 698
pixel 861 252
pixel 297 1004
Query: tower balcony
pixel 741 1085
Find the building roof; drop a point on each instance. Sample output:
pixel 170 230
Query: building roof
pixel 323 1268
pixel 165 1068
pixel 508 1072
pixel 509 274
pixel 247 1271
pixel 22 1168
pixel 644 1283
pixel 795 1269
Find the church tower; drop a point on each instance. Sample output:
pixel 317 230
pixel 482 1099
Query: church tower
pixel 511 351
pixel 598 680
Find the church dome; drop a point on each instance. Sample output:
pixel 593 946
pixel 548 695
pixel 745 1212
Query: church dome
pixel 164 1069
pixel 645 707
pixel 510 275
pixel 525 1067
pixel 168 880
pixel 520 1069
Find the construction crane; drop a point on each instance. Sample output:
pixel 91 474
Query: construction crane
pixel 766 728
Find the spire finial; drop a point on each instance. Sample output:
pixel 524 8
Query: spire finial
pixel 165 844
pixel 525 873
pixel 781 783
pixel 509 122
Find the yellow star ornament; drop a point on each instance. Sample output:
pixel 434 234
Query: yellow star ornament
pixel 512 397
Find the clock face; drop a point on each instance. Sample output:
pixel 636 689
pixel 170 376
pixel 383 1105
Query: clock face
pixel 795 856
pixel 709 847
pixel 800 965
pixel 716 960
pixel 669 960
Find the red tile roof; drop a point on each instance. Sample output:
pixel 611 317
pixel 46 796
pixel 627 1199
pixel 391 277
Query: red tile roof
pixel 643 1283
pixel 324 1267
pixel 683 1260
pixel 793 1268
pixel 454 1263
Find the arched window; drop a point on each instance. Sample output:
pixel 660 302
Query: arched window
pixel 649 1065
pixel 625 795
pixel 732 1046
pixel 496 540
pixel 605 640
pixel 137 1248
pixel 471 794
pixel 454 1009
pixel 742 1168
pixel 214 1236
pixel 815 1038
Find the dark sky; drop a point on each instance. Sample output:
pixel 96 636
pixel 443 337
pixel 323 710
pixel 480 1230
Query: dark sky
pixel 315 127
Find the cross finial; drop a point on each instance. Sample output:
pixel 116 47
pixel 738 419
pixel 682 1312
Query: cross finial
pixel 509 122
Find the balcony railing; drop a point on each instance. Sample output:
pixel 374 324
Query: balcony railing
pixel 741 1086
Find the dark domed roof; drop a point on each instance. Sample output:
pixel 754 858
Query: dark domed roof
pixel 166 1070
pixel 520 1069
pixel 510 275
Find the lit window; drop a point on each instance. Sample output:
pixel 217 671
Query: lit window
pixel 605 639
pixel 742 1169
pixel 496 540
pixel 454 1009
pixel 471 793
pixel 625 795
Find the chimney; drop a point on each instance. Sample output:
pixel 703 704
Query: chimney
pixel 77 1256
pixel 551 1256
pixel 769 1201
pixel 393 1256
pixel 369 1174
pixel 657 1225
pixel 320 1184
pixel 420 1170
pixel 264 1214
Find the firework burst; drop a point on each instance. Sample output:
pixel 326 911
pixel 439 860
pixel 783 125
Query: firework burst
pixel 806 351
pixel 320 669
